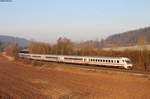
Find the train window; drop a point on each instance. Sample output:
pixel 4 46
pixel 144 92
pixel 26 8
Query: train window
pixel 106 60
pixel 73 58
pixel 24 52
pixel 112 61
pixel 109 61
pixel 27 55
pixel 103 60
pixel 52 57
pixel 36 56
pixel 117 61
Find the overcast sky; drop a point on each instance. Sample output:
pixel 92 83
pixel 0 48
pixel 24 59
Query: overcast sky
pixel 46 20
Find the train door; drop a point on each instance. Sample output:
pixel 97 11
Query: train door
pixel 85 60
pixel 61 59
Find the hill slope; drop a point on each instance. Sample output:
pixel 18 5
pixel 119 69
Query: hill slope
pixel 9 39
pixel 128 38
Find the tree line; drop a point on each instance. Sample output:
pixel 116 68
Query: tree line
pixel 64 46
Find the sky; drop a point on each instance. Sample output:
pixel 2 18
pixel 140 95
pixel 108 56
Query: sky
pixel 79 20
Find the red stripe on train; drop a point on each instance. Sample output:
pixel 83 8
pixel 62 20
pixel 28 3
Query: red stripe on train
pixel 77 61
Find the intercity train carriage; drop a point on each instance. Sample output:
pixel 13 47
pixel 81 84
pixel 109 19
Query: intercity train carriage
pixel 122 62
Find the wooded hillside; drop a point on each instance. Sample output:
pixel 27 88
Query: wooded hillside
pixel 129 38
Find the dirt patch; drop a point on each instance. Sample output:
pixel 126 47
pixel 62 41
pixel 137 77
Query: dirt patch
pixel 9 58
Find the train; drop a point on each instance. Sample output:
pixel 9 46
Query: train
pixel 120 62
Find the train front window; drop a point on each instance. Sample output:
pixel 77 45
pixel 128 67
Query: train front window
pixel 128 62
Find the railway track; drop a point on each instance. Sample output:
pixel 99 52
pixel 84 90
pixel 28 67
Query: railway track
pixel 104 68
pixel 92 67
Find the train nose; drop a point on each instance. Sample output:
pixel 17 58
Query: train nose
pixel 129 67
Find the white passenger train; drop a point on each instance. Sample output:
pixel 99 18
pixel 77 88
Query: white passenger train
pixel 122 62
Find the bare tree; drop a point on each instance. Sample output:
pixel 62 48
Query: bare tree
pixel 64 46
pixel 143 52
pixel 12 49
pixel 39 48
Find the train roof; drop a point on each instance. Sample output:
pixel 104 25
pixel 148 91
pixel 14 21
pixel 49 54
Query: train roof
pixel 82 56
